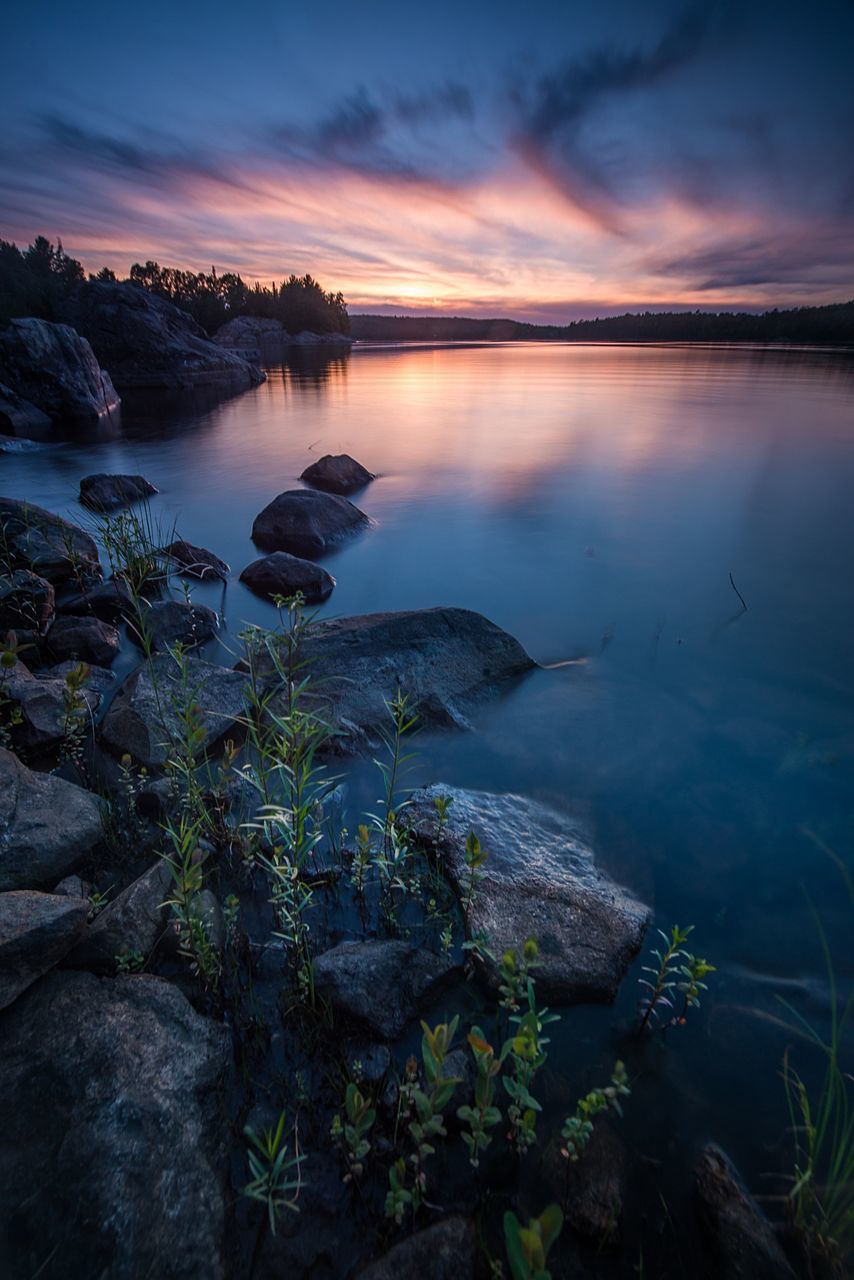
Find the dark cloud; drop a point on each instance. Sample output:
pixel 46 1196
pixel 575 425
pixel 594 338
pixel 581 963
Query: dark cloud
pixel 448 100
pixel 818 257
pixel 112 153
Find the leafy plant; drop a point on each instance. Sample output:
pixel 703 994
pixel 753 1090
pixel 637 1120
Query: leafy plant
pixel 423 1108
pixel 353 1130
pixel 529 1247
pixel 578 1128
pixel 275 1179
pixel 484 1115
pixel 665 976
pixel 516 968
pixel 527 1053
pixel 475 858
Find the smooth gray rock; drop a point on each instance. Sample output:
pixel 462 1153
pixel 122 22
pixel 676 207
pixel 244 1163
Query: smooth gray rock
pixel 111 1161
pixel 143 720
pixel 44 710
pixel 197 562
pixel 87 639
pixel 108 600
pixel 445 1251
pixel 168 622
pixel 104 492
pixel 54 368
pixel 26 602
pixel 382 984
pixel 743 1243
pixel 307 523
pixel 52 547
pixel 47 825
pixel 36 931
pixel 19 416
pixel 134 922
pixel 281 574
pixel 98 679
pixel 540 880
pixel 337 473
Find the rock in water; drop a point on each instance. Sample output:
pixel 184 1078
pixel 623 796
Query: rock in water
pixel 197 562
pixel 445 1251
pixel 146 342
pixel 168 622
pixel 337 473
pixel 52 547
pixel 382 984
pixel 26 602
pixel 87 639
pixel 280 574
pixel 743 1240
pixel 249 332
pixel 36 931
pixel 107 493
pixel 19 416
pixel 108 600
pixel 55 370
pixel 47 825
pixel 306 523
pixel 540 880
pixel 110 1132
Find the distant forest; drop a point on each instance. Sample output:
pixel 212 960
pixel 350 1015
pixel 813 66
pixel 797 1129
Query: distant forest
pixel 832 324
pixel 35 281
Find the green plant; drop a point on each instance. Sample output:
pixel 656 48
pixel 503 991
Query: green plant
pixel 483 1115
pixel 423 1108
pixel 275 1179
pixel 186 865
pixel 353 1130
pixel 529 1247
pixel 442 805
pixel 129 962
pixel 665 975
pixel 475 858
pixel 578 1128
pixel 527 1053
pixel 75 714
pixel 515 970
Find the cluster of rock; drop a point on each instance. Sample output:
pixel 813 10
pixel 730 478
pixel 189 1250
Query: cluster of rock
pixel 253 333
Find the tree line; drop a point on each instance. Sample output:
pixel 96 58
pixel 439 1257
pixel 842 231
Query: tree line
pixel 36 281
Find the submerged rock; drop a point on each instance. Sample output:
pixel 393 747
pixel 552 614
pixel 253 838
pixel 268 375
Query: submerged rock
pixel 26 602
pixel 133 923
pixel 36 931
pixel 337 473
pixel 540 880
pixel 55 370
pixel 52 547
pixel 168 622
pixel 20 416
pixel 111 1158
pixel 104 492
pixel 281 574
pixel 45 713
pixel 743 1241
pixel 592 1188
pixel 47 825
pixel 197 562
pixel 306 523
pixel 87 639
pixel 445 1251
pixel 382 984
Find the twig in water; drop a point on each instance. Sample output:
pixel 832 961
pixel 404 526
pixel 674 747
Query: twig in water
pixel 738 593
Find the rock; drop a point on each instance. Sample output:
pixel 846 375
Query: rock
pixel 133 923
pixel 45 714
pixel 143 718
pixel 308 338
pixel 87 639
pixel 99 680
pixel 47 825
pixel 54 369
pixel 743 1241
pixel 146 342
pixel 106 493
pixel 382 984
pixel 110 1147
pixel 50 546
pixel 36 930
pixel 20 416
pixel 592 1188
pixel 17 444
pixel 540 880
pixel 108 600
pixel 249 332
pixel 73 887
pixel 445 1251
pixel 169 622
pixel 26 601
pixel 367 1062
pixel 306 523
pixel 280 574
pixel 197 562
pixel 337 473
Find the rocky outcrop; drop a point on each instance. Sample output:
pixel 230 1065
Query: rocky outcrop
pixel 52 547
pixel 168 622
pixel 445 1251
pixel 36 931
pixel 26 602
pixel 249 332
pixel 110 1155
pixel 146 342
pixel 132 924
pixel 380 984
pixel 47 825
pixel 337 473
pixel 143 719
pixel 86 639
pixel 742 1240
pixel 19 417
pixel 196 562
pixel 540 880
pixel 44 710
pixel 306 523
pixel 55 370
pixel 107 493
pixel 280 574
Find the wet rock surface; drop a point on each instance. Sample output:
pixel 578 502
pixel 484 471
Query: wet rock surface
pixel 540 880
pixel 337 473
pixel 87 639
pixel 197 562
pixel 281 574
pixel 382 984
pixel 108 600
pixel 307 523
pixel 104 492
pixel 52 547
pixel 131 925
pixel 20 417
pixel 36 931
pixel 110 1160
pixel 46 708
pixel 54 369
pixel 742 1240
pixel 167 622
pixel 26 601
pixel 445 1251
pixel 47 825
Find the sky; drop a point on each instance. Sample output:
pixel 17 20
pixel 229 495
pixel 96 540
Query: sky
pixel 546 161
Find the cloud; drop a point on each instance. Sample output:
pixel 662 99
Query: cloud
pixel 808 255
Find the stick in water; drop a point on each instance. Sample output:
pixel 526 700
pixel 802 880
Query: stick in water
pixel 738 593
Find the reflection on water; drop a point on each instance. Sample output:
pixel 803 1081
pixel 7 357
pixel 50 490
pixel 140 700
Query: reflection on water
pixel 594 501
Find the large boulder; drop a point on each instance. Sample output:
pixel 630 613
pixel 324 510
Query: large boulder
pixel 108 600
pixel 26 602
pixel 249 333
pixel 132 924
pixel 47 825
pixel 46 715
pixel 111 1161
pixel 19 417
pixel 337 473
pixel 540 880
pixel 54 548
pixel 742 1240
pixel 146 342
pixel 36 931
pixel 281 574
pixel 55 370
pixel 445 1251
pixel 104 492
pixel 168 622
pixel 382 984
pixel 87 639
pixel 307 523
pixel 196 562
pixel 144 719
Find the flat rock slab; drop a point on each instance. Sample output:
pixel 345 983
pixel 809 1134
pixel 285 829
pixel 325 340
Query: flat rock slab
pixel 381 984
pixel 306 523
pixel 47 825
pixel 743 1242
pixel 134 922
pixel 52 547
pixel 168 622
pixel 110 1159
pixel 26 601
pixel 337 473
pixel 540 880
pixel 281 574
pixel 197 562
pixel 104 492
pixel 143 719
pixel 445 1251
pixel 87 639
pixel 36 931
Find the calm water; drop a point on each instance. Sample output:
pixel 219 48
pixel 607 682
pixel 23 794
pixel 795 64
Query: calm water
pixel 594 501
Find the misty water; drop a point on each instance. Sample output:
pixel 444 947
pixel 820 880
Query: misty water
pixel 594 501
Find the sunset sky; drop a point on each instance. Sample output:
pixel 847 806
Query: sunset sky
pixel 538 160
